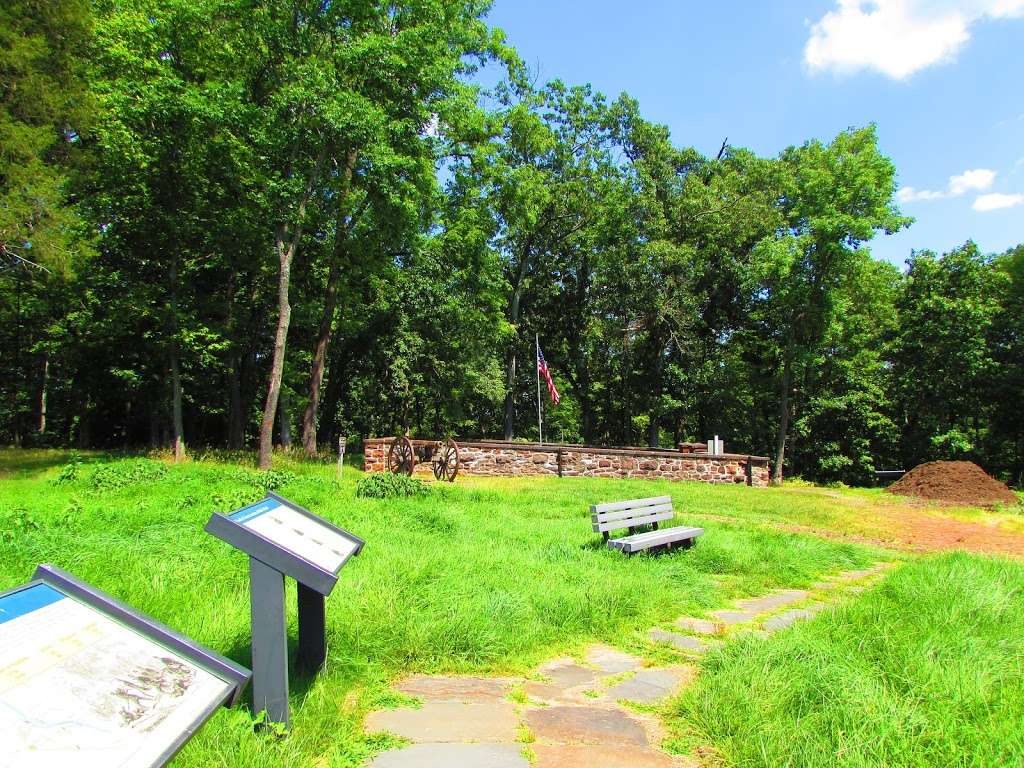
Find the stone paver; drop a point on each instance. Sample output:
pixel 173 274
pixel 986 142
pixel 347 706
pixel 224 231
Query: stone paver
pixel 568 674
pixel 773 601
pixel 700 626
pixel 790 617
pixel 457 688
pixel 585 725
pixel 862 574
pixel 612 661
pixel 468 722
pixel 535 689
pixel 731 616
pixel 448 721
pixel 649 686
pixel 577 756
pixel 682 642
pixel 451 755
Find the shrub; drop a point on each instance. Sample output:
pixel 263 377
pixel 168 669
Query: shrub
pixel 387 485
pixel 270 480
pixel 69 472
pixel 124 474
pixel 16 524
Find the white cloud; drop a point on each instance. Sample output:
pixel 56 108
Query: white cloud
pixel 897 37
pixel 978 179
pixel 975 180
pixel 996 201
pixel 912 194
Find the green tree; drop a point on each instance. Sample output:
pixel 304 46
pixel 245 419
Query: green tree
pixel 1007 343
pixel 834 197
pixel 943 364
pixel 45 108
pixel 845 429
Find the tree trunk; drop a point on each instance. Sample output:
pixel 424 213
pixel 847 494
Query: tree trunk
pixel 513 318
pixel 323 339
pixel 235 428
pixel 510 402
pixel 580 354
pixel 653 431
pixel 285 415
pixel 780 442
pixel 175 355
pixel 236 425
pixel 285 246
pixel 43 386
pixel 285 252
pixel 154 428
pixel 85 424
pixel 176 420
pixel 326 429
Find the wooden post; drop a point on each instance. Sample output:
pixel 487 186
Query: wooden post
pixel 341 454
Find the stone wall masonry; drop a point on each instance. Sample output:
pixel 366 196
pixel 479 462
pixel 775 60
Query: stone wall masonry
pixel 500 459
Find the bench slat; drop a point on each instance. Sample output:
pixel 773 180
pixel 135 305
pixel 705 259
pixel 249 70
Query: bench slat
pixel 615 506
pixel 643 541
pixel 633 522
pixel 626 514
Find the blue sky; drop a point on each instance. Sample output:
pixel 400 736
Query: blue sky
pixel 943 79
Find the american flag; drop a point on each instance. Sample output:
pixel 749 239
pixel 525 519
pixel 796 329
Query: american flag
pixel 542 366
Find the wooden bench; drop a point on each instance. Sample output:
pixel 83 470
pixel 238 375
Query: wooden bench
pixel 638 513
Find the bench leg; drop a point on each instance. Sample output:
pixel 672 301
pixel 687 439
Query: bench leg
pixel 605 535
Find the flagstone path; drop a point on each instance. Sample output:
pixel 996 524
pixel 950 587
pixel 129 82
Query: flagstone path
pixel 581 713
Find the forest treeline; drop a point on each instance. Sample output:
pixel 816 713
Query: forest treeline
pixel 246 222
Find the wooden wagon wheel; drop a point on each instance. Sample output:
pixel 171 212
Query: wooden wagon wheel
pixel 446 461
pixel 401 457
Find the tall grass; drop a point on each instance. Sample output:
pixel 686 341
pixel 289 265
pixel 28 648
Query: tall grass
pixel 927 669
pixel 483 575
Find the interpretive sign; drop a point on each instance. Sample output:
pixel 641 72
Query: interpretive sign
pixel 86 680
pixel 284 539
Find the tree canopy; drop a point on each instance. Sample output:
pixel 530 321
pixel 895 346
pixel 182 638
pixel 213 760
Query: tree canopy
pixel 254 222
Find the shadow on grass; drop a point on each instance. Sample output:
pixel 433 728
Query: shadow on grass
pixel 300 680
pixel 599 545
pixel 31 461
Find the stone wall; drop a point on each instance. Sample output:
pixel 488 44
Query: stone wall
pixel 500 459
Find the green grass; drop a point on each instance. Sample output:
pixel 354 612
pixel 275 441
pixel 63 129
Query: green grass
pixel 926 669
pixel 484 575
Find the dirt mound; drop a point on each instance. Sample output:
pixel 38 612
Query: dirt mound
pixel 954 482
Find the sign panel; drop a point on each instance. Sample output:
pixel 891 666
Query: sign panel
pixel 283 539
pixel 290 539
pixel 302 535
pixel 78 688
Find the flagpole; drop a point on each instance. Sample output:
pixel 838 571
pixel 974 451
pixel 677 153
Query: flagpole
pixel 540 421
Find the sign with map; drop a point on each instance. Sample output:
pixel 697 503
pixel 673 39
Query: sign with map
pixel 80 688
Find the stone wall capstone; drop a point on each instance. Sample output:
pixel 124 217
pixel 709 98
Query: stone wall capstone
pixel 501 459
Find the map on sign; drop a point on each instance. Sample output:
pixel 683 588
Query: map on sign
pixel 79 690
pixel 300 534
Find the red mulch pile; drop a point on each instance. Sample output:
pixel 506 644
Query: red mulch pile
pixel 954 482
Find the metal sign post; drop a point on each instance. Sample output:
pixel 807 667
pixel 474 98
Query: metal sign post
pixel 283 539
